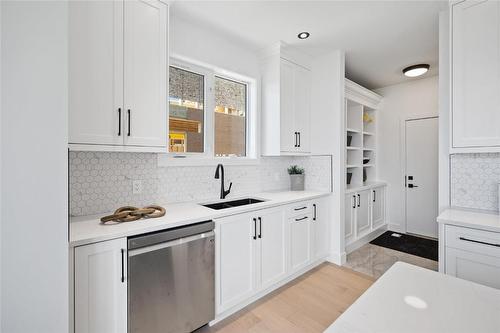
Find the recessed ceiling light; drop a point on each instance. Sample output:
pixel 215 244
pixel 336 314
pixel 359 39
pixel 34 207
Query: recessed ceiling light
pixel 303 35
pixel 416 70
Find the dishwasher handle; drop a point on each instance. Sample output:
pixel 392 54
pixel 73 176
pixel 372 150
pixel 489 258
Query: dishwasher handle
pixel 171 243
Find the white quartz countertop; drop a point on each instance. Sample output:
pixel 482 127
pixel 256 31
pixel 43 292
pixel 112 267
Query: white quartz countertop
pixel 469 218
pixel 411 299
pixel 88 229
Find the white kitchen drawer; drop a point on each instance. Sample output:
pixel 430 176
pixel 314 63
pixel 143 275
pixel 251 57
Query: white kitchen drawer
pixel 300 208
pixel 473 240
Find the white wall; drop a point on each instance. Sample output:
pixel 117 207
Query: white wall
pixel 418 98
pixel 34 223
pixel 193 40
pixel 327 114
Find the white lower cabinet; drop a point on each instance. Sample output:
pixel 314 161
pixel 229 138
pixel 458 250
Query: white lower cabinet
pixel 364 213
pixel 100 287
pixel 473 255
pixel 251 255
pixel 258 251
pixel 300 241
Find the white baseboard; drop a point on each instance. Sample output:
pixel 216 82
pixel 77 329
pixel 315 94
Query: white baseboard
pixel 337 258
pixel 396 227
pixel 264 292
pixel 365 239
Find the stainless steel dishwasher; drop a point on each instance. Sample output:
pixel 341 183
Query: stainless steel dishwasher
pixel 171 286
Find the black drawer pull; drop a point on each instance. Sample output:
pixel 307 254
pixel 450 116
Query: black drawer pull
pixel 301 208
pixel 123 265
pixel 301 219
pixel 479 242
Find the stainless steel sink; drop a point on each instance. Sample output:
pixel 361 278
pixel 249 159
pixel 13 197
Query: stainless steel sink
pixel 233 203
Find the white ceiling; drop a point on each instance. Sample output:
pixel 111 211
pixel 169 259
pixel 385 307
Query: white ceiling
pixel 380 38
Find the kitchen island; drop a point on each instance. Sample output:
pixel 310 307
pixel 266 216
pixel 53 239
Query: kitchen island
pixel 409 299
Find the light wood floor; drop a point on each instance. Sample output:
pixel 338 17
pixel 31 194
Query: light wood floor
pixel 310 303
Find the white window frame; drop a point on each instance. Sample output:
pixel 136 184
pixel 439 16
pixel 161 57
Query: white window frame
pixel 252 117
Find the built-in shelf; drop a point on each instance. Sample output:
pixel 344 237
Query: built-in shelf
pixel 368 133
pixel 353 148
pixel 370 165
pixel 351 130
pixel 368 149
pixel 350 166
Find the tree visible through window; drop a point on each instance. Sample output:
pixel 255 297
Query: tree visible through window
pixel 186 109
pixel 230 117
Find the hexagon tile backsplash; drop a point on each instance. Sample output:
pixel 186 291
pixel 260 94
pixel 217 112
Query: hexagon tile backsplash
pixel 100 182
pixel 474 180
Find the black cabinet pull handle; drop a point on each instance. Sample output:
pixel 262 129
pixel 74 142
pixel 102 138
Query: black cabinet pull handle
pixel 374 195
pixel 479 242
pixel 260 227
pixel 129 121
pixel 254 228
pixel 354 202
pixel 296 140
pixel 301 208
pixel 301 219
pixel 299 138
pixel 119 121
pixel 123 265
pixel 359 200
pixel 314 213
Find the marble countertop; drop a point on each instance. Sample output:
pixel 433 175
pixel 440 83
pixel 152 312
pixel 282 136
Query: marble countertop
pixel 470 218
pixel 88 229
pixel 411 299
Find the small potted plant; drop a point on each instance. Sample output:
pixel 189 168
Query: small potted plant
pixel 296 178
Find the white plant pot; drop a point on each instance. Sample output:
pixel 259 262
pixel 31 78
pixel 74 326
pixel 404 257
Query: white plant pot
pixel 297 182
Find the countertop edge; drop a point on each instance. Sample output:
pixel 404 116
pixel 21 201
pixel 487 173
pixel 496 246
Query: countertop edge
pixel 491 219
pixel 215 214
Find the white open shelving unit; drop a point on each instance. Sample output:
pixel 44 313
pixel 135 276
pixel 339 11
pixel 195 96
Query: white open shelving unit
pixel 361 143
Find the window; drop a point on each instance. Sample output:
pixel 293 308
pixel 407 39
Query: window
pixel 230 117
pixel 186 109
pixel 211 115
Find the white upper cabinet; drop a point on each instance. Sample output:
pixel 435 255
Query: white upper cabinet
pixel 95 72
pixel 285 102
pixel 145 73
pixel 118 69
pixel 475 76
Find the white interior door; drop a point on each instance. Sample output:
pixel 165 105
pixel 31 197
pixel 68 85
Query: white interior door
pixel 422 176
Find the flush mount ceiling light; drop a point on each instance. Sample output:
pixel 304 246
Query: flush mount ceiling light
pixel 416 70
pixel 303 35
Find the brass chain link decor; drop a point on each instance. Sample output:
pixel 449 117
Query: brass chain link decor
pixel 130 213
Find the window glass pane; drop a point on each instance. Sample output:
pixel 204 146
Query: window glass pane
pixel 186 108
pixel 230 117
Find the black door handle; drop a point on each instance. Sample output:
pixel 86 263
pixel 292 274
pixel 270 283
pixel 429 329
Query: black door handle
pixel 296 140
pixel 119 121
pixel 412 186
pixel 359 200
pixel 374 196
pixel 354 202
pixel 260 227
pixel 254 228
pixel 299 138
pixel 129 121
pixel 314 212
pixel 123 265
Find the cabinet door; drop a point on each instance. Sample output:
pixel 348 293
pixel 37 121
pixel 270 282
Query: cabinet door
pixel 320 226
pixel 288 137
pixel 95 72
pixel 145 79
pixel 475 74
pixel 472 266
pixel 363 221
pixel 272 254
pixel 350 217
pixel 302 105
pixel 236 276
pixel 378 206
pixel 300 238
pixel 101 287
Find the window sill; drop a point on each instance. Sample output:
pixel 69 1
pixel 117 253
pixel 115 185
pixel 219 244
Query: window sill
pixel 166 160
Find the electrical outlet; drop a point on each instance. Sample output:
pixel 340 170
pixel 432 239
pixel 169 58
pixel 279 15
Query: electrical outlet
pixel 137 186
